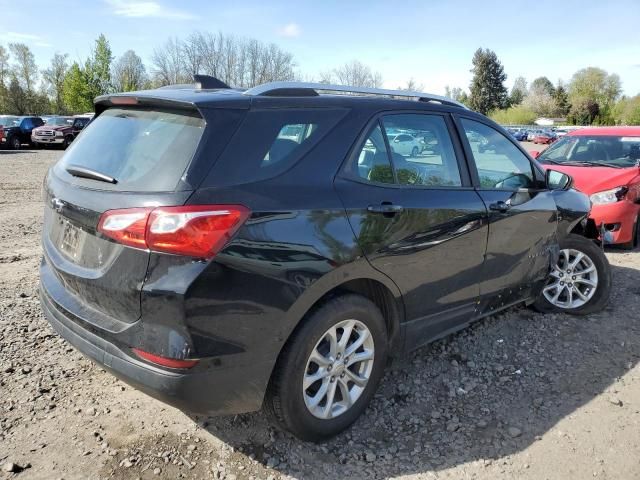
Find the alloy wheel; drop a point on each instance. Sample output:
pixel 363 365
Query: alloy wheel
pixel 573 280
pixel 338 369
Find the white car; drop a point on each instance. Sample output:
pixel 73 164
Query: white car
pixel 405 145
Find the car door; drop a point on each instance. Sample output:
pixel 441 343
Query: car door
pixel 419 221
pixel 522 215
pixel 26 125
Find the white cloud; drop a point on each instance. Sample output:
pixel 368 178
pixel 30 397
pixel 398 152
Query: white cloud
pixel 145 9
pixel 290 30
pixel 15 37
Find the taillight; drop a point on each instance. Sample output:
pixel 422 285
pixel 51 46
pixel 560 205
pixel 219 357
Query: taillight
pixel 164 361
pixel 193 230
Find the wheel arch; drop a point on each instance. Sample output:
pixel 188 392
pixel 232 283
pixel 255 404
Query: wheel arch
pixel 374 286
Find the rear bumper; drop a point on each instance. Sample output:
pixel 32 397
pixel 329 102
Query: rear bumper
pixel 213 389
pixel 622 214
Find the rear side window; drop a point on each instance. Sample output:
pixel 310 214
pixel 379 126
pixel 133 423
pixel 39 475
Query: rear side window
pixel 271 141
pixel 144 150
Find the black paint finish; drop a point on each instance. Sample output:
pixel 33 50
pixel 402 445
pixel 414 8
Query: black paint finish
pixel 442 261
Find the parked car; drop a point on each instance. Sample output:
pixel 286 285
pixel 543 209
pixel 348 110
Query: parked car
pixel 17 132
pixel 520 134
pixel 605 164
pixel 405 144
pixel 198 252
pixel 59 131
pixel 545 138
pixel 531 134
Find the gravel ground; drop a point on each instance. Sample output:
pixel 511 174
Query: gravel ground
pixel 518 395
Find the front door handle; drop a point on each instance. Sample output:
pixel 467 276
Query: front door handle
pixel 386 208
pixel 500 206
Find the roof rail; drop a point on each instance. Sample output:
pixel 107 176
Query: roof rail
pixel 276 89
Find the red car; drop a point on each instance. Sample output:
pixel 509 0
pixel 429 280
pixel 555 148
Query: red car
pixel 605 164
pixel 545 138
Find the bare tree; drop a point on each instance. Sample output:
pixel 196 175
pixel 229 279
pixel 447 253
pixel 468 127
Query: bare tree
pixel 412 86
pixel 24 68
pixel 357 74
pixel 54 80
pixel 168 63
pixel 4 66
pixel 128 73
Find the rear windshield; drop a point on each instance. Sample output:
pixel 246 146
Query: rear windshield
pixel 144 150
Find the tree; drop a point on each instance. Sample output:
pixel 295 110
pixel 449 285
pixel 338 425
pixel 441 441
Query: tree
pixel 357 74
pixel 168 63
pixel 561 99
pixel 24 69
pixel 128 73
pixel 595 84
pixel 487 86
pixel 627 111
pixel 542 85
pixel 54 81
pixel 237 62
pixel 412 86
pixel 583 111
pixel 540 97
pixel 97 69
pixel 457 94
pixel 76 95
pixel 4 77
pixel 17 98
pixel 518 91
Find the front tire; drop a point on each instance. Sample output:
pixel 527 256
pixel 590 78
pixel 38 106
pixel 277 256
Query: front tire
pixel 15 143
pixel 324 380
pixel 414 152
pixel 580 282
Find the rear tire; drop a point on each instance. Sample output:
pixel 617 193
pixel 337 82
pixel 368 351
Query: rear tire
pixel 308 413
pixel 66 143
pixel 590 293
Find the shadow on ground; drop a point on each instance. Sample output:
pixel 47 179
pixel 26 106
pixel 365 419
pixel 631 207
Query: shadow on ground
pixel 480 395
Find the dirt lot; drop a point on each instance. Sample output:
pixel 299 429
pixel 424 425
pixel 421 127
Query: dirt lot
pixel 518 395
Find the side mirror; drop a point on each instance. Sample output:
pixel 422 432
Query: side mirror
pixel 557 180
pixel 534 153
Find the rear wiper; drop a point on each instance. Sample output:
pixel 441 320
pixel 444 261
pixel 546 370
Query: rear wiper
pixel 84 172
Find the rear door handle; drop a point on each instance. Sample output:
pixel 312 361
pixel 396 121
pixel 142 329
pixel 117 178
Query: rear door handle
pixel 500 206
pixel 385 208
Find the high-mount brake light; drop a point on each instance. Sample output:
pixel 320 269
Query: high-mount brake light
pixel 123 100
pixel 194 230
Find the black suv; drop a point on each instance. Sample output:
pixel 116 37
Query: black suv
pixel 226 250
pixel 17 130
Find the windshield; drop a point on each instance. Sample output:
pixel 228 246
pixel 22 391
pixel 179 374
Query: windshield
pixel 59 121
pixel 9 121
pixel 597 150
pixel 144 150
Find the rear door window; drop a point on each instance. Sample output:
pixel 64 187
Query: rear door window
pixel 145 150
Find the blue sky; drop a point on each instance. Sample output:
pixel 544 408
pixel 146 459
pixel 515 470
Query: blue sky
pixel 431 41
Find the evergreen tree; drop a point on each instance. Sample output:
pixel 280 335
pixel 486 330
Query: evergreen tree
pixel 561 98
pixel 487 86
pixel 98 69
